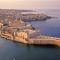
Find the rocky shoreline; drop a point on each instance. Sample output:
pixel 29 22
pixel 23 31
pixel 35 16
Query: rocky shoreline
pixel 35 17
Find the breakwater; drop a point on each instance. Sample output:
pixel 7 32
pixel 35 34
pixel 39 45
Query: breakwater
pixel 39 40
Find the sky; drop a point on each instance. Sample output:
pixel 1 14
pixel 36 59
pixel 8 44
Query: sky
pixel 30 4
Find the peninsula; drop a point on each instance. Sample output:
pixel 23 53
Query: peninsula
pixel 20 31
pixel 25 15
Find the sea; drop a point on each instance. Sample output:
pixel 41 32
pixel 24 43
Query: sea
pixel 10 50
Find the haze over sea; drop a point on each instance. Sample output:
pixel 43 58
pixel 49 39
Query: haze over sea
pixel 12 50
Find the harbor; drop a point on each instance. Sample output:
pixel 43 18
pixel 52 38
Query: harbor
pixel 20 31
pixel 29 29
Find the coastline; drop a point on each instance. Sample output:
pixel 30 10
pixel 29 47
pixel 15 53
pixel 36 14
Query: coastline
pixel 41 40
pixel 20 31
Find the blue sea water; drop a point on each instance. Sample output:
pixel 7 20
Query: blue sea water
pixel 17 51
pixel 50 27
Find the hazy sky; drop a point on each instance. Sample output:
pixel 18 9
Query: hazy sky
pixel 29 4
